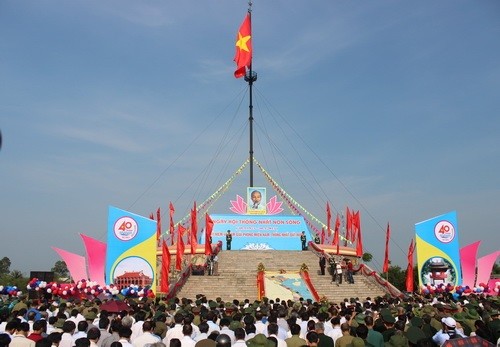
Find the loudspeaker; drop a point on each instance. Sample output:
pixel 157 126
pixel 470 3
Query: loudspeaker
pixel 47 276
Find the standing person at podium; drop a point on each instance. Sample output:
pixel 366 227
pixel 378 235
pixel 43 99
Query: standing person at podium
pixel 229 238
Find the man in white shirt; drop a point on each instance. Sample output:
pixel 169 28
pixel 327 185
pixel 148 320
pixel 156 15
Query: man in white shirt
pixel 94 335
pixel 137 327
pixel 239 335
pixel 224 329
pixel 336 332
pixel 19 339
pixel 176 331
pixel 272 331
pixel 147 336
pixel 186 340
pixel 125 334
pixel 68 329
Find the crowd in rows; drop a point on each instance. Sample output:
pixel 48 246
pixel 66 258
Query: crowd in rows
pixel 381 321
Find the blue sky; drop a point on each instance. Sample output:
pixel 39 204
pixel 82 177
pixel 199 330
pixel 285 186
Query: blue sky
pixel 388 107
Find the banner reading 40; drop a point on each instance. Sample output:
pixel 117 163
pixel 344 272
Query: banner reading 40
pixel 438 252
pixel 131 250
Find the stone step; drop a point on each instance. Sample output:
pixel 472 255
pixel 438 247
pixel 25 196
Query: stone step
pixel 237 277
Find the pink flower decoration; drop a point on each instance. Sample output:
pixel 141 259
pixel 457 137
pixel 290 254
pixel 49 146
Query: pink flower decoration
pixel 239 206
pixel 273 206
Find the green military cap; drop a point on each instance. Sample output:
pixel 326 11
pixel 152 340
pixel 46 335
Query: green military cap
pixel 416 322
pixel 472 314
pixel 397 341
pixel 459 316
pixel 414 334
pixel 91 315
pixel 388 318
pixel 360 318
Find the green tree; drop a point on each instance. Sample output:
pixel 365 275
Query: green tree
pixel 16 278
pixel 16 274
pixel 367 257
pixel 496 269
pixel 397 277
pixel 60 269
pixel 4 266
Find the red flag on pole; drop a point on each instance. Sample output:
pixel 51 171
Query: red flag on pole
pixel 386 257
pixel 180 247
pixel 355 225
pixel 172 229
pixel 336 239
pixel 209 225
pixel 328 218
pixel 348 228
pixel 194 230
pixel 322 238
pixel 243 55
pixel 409 269
pixel 359 245
pixel 158 224
pixel 165 267
pixel 151 216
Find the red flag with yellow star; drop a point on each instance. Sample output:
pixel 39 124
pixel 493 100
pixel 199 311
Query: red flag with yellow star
pixel 243 55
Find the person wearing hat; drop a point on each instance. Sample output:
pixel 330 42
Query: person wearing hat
pixel 303 240
pixel 414 334
pixel 447 332
pixel 259 340
pixel 462 323
pixel 229 239
pixel 427 328
pixel 390 330
pixel 471 316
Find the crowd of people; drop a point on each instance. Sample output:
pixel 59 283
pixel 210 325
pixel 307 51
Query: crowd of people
pixel 381 321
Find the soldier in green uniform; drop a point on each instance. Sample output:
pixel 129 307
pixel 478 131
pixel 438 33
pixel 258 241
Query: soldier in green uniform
pixel 317 240
pixel 303 240
pixel 229 238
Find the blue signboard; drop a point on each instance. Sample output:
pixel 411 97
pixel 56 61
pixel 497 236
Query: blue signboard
pixel 259 232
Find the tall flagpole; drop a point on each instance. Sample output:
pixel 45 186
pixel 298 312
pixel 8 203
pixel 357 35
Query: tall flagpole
pixel 250 77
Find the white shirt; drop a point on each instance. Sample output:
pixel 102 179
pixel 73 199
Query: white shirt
pixel 174 333
pixel 281 342
pixel 228 332
pixel 260 328
pixel 187 341
pixel 67 340
pixel 125 343
pixel 335 333
pixel 136 330
pixel 144 339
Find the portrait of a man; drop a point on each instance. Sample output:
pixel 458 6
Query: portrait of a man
pixel 256 200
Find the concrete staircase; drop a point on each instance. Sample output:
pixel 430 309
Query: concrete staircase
pixel 237 277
